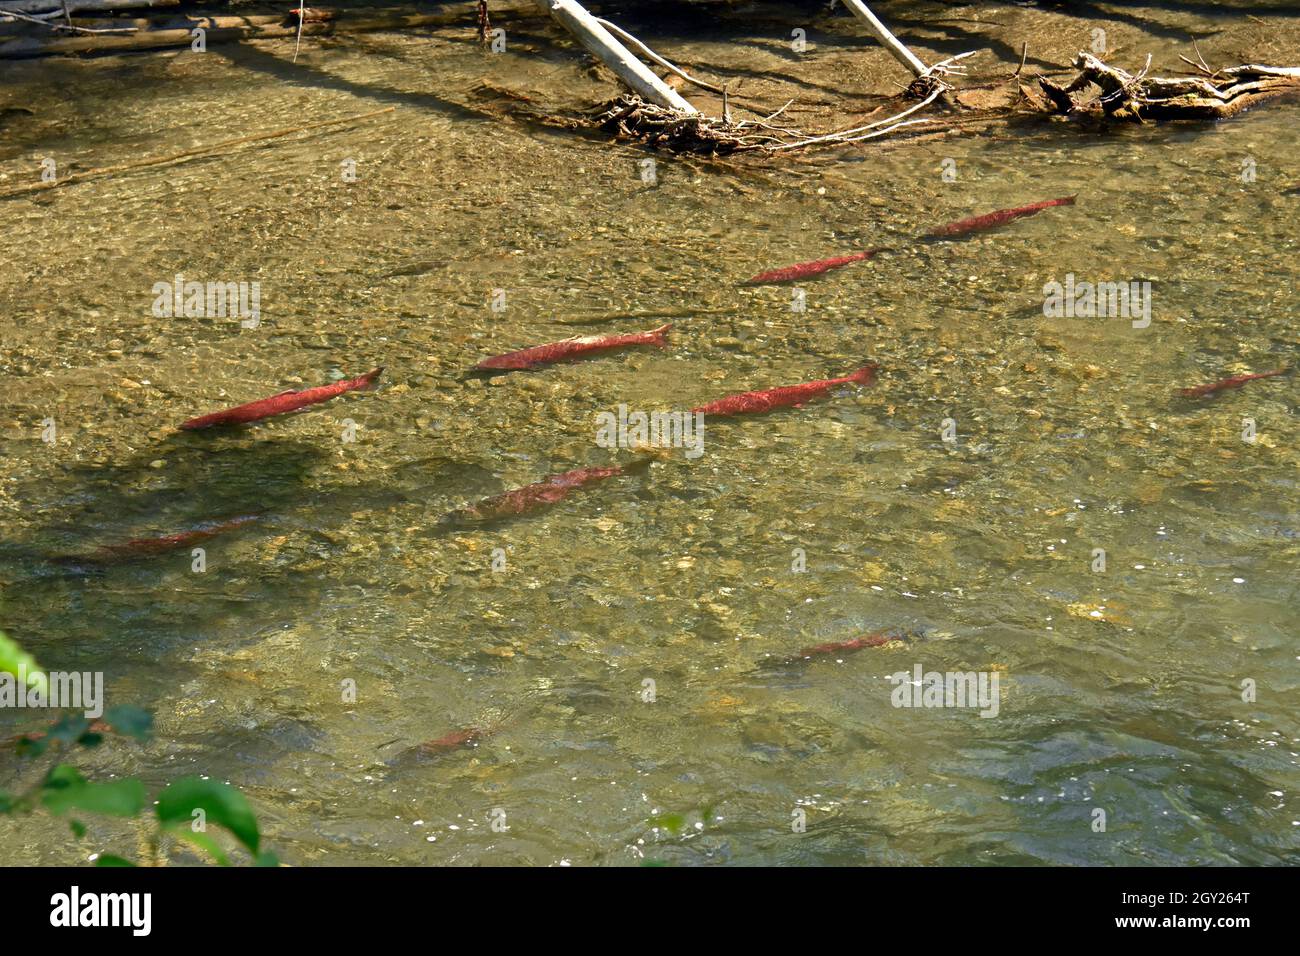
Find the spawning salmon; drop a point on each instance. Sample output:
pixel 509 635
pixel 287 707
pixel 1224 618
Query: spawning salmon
pixel 143 547
pixel 1200 391
pixel 991 219
pixel 455 740
pixel 795 395
pixel 846 647
pixel 572 348
pixel 805 270
pixel 545 492
pixel 287 401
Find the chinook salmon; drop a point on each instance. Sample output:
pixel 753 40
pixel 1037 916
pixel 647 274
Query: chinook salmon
pixel 145 547
pixel 788 395
pixel 572 348
pixel 991 219
pixel 805 270
pixel 548 491
pixel 287 401
pixel 1200 391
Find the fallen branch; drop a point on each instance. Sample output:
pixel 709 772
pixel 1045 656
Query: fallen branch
pixel 651 55
pixel 890 42
pixel 8 15
pixel 297 40
pixel 1212 95
pixel 605 47
pixel 855 135
pixel 632 118
pixel 18 40
pixel 59 8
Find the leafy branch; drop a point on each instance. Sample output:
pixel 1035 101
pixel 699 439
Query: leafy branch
pixel 182 810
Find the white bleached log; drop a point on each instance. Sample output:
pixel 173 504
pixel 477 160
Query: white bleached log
pixel 602 44
pixel 890 42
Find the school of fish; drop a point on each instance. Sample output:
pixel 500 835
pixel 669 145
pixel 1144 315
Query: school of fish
pixel 555 488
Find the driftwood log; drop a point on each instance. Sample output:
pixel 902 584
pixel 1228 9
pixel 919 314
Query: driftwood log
pixel 166 30
pixel 1211 95
pixel 59 8
pixel 890 42
pixel 602 44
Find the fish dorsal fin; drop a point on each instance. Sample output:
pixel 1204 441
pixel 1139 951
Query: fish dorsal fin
pixel 287 391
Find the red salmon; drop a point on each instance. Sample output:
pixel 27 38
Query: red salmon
pixel 452 741
pixel 991 219
pixel 572 348
pixel 96 727
pixel 768 399
pixel 142 547
pixel 455 740
pixel 805 270
pixel 845 647
pixel 1200 391
pixel 545 492
pixel 287 401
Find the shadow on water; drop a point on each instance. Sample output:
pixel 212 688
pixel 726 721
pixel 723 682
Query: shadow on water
pixel 256 60
pixel 85 562
pixel 202 481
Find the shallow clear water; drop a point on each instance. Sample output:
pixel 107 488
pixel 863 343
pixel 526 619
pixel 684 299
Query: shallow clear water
pixel 1121 690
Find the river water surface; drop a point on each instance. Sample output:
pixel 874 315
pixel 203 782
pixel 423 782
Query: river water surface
pixel 1121 690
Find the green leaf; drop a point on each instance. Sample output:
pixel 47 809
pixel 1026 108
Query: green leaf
pixel 220 803
pixel 107 859
pixel 16 661
pixel 78 828
pixel 31 746
pixel 266 858
pixel 65 789
pixel 6 803
pixel 130 721
pixel 63 775
pixel 184 831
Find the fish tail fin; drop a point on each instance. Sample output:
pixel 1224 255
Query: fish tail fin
pixel 657 335
pixel 495 718
pixel 865 375
pixel 1067 200
pixel 370 378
